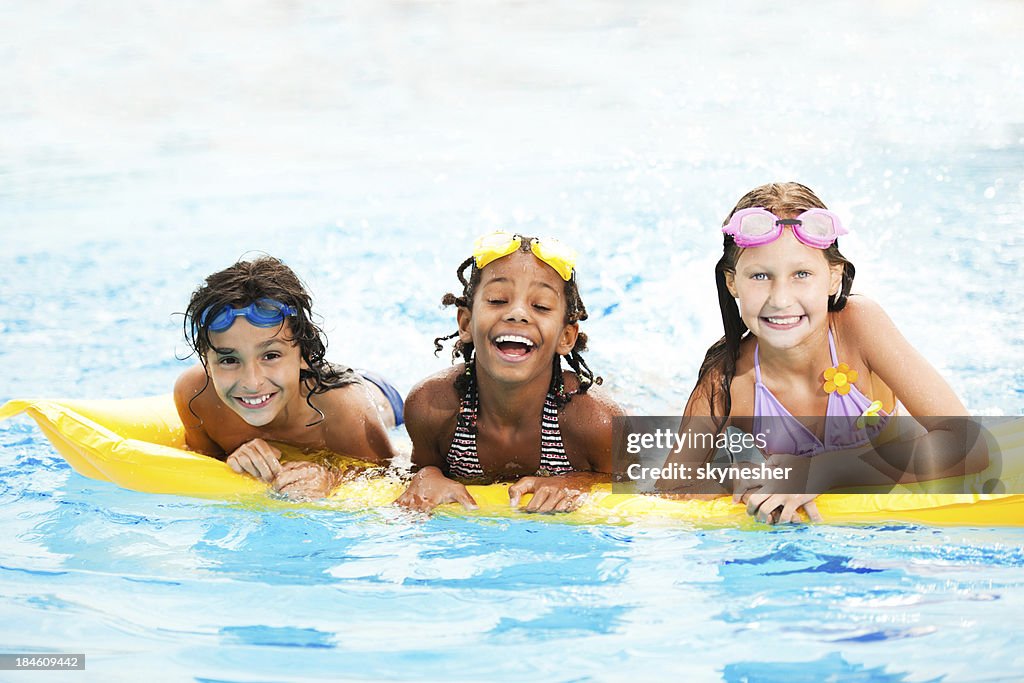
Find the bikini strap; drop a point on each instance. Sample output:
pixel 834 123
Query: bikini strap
pixel 757 363
pixel 832 348
pixel 553 458
pixel 462 457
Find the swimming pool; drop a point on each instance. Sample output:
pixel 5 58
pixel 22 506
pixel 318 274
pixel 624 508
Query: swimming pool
pixel 145 147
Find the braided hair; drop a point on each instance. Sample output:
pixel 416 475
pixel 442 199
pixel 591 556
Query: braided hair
pixel 266 277
pixel 575 312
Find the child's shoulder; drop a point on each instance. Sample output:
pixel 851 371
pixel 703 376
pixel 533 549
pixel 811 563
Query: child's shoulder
pixel 198 407
pixel 435 396
pixel 590 409
pixel 587 422
pixel 860 307
pixel 708 396
pixel 861 319
pixel 191 385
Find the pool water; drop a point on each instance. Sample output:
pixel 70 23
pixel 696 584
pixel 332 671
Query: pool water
pixel 146 146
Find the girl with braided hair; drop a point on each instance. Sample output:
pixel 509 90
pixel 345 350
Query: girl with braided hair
pixel 262 378
pixel 509 411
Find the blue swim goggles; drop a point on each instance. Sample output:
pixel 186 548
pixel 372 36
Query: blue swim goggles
pixel 261 313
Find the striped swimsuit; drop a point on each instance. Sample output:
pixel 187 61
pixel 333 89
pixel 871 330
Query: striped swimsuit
pixel 463 461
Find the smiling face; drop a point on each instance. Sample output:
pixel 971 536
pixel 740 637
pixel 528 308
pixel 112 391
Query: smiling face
pixel 517 322
pixel 783 290
pixel 255 371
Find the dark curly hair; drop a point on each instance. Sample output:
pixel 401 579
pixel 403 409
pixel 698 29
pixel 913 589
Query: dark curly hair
pixel 266 278
pixel 719 366
pixel 575 311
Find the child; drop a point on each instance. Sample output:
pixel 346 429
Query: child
pixel 509 411
pixel 797 343
pixel 262 377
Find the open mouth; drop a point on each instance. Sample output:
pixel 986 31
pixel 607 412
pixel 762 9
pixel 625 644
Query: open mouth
pixel 779 322
pixel 254 402
pixel 513 347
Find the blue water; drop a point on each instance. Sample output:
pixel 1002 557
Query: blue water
pixel 146 145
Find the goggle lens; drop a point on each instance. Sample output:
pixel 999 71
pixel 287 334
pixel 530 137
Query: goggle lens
pixel 819 225
pixel 757 224
pixel 559 256
pixel 492 247
pixel 264 312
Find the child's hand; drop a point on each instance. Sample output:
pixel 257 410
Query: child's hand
pixel 302 480
pixel 550 494
pixel 780 508
pixel 256 458
pixel 767 505
pixel 430 488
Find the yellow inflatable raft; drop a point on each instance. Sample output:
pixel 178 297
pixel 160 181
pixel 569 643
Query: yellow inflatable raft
pixel 139 445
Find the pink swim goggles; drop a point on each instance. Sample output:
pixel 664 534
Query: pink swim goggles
pixel 755 227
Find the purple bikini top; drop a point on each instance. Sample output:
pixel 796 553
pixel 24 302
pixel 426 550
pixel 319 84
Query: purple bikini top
pixel 785 434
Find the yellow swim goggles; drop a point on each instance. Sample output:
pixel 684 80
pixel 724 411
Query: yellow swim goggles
pixel 492 247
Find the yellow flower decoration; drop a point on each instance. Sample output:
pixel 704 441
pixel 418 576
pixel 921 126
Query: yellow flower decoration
pixel 839 379
pixel 870 416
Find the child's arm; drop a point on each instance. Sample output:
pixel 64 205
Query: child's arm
pixel 427 409
pixel 889 355
pixel 949 448
pixel 190 384
pixel 696 419
pixel 353 426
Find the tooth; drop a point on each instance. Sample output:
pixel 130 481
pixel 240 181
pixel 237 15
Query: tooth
pixel 514 338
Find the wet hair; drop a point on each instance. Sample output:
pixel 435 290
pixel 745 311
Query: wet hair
pixel 575 312
pixel 719 366
pixel 266 278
